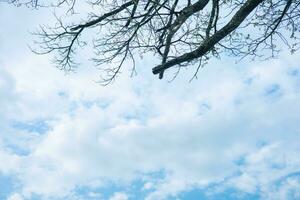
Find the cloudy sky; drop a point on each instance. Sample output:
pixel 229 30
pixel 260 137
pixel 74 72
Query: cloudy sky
pixel 232 134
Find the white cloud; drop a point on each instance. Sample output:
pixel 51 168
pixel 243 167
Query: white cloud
pixel 290 189
pixel 196 133
pixel 195 139
pixel 15 196
pixel 148 186
pixel 119 196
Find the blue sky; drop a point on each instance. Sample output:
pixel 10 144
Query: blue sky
pixel 232 134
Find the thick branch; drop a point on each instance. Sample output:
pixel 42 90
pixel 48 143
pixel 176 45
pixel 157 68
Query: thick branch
pixel 209 43
pixel 185 14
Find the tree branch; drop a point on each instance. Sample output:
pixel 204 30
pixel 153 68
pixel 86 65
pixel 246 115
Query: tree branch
pixel 209 43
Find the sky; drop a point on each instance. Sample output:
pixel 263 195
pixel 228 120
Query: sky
pixel 233 133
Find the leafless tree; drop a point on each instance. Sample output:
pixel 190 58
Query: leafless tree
pixel 180 32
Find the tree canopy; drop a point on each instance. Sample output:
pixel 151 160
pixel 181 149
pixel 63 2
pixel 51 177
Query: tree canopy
pixel 179 32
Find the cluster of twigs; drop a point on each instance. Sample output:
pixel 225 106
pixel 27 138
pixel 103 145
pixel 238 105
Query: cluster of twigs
pixel 179 32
